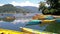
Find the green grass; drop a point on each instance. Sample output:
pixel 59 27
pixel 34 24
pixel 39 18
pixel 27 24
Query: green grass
pixel 53 27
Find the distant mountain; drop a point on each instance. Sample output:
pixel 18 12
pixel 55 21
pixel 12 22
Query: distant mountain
pixel 18 6
pixel 8 8
pixel 25 10
pixel 30 9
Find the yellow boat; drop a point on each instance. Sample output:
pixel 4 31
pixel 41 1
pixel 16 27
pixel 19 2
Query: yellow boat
pixel 44 22
pixel 48 21
pixel 5 31
pixel 31 31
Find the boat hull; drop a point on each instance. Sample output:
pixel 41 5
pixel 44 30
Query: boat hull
pixel 32 31
pixel 5 31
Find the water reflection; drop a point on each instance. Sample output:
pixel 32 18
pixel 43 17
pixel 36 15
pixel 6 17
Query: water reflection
pixel 15 25
pixel 20 21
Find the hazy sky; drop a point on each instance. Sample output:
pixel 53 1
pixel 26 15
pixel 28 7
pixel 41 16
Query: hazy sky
pixel 21 2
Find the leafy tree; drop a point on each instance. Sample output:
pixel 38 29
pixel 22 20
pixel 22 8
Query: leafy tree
pixel 43 7
pixel 53 9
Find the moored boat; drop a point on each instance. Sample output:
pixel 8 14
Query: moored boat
pixel 37 22
pixel 34 22
pixel 5 31
pixel 32 31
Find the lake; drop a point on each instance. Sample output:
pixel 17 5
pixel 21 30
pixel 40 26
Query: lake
pixel 20 21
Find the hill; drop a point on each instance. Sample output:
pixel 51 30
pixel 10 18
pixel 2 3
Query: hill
pixel 30 9
pixel 8 8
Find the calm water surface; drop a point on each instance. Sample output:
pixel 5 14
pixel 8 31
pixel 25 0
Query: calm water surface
pixel 20 21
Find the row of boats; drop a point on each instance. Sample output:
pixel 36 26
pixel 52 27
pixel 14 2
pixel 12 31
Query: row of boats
pixel 24 31
pixel 44 19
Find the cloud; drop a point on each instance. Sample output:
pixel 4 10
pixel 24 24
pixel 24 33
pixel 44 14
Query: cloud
pixel 1 4
pixel 26 3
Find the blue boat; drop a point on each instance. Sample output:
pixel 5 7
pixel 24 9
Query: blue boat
pixel 57 20
pixel 34 22
pixel 49 17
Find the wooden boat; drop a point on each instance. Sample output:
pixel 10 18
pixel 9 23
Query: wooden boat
pixel 8 19
pixel 42 17
pixel 32 31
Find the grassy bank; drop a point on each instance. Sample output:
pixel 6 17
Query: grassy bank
pixel 53 27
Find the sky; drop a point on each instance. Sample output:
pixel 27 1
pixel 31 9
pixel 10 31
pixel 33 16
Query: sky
pixel 21 2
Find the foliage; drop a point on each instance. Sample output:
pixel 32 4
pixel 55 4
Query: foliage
pixel 53 9
pixel 9 8
pixel 41 6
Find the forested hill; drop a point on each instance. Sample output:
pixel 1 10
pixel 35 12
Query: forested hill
pixel 8 8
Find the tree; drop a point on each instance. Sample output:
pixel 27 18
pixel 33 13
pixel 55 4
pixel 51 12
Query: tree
pixel 43 7
pixel 53 9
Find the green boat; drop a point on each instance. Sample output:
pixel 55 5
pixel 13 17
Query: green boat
pixel 34 22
